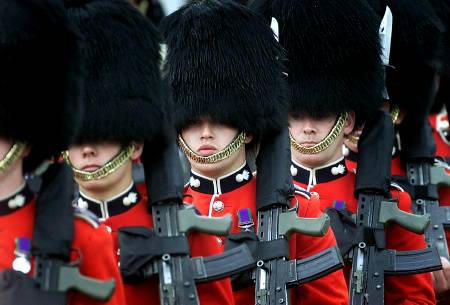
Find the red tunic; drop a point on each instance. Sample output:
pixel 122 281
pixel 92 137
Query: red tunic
pixel 92 244
pixel 130 209
pixel 439 123
pixel 334 182
pixel 237 190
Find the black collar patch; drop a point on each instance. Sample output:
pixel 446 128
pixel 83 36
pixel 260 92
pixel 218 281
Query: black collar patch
pixel 104 209
pixel 16 201
pixel 317 175
pixel 223 184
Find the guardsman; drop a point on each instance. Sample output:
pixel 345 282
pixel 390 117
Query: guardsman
pixel 224 66
pixel 336 82
pixel 125 106
pixel 420 53
pixel 39 108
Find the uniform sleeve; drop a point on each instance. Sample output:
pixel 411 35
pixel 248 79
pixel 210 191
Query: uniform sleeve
pixel 410 289
pixel 331 289
pixel 96 251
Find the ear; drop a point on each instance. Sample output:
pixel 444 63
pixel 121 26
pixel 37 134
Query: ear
pixel 248 138
pixel 26 152
pixel 349 123
pixel 138 148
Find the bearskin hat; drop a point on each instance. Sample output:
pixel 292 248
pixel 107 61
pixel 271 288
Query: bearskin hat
pixel 442 9
pixel 224 64
pixel 123 95
pixel 333 52
pixel 416 54
pixel 39 78
pixel 379 7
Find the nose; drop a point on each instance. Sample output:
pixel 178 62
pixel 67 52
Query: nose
pixel 89 151
pixel 308 128
pixel 206 131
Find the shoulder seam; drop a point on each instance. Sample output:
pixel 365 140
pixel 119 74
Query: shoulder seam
pixel 301 191
pixel 90 219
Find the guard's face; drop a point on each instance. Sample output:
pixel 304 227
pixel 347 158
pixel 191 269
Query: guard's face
pixel 92 156
pixel 309 131
pixel 206 138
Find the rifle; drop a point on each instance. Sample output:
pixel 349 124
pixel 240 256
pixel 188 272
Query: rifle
pixel 424 175
pixel 275 273
pixel 164 250
pixel 371 261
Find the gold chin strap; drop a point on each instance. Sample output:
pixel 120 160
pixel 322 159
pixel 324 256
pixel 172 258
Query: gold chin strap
pixel 352 138
pixel 14 153
pixel 325 143
pixel 395 111
pixel 106 170
pixel 214 158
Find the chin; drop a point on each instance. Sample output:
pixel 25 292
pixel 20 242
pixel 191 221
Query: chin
pixel 218 169
pixel 93 186
pixel 312 161
pixel 209 170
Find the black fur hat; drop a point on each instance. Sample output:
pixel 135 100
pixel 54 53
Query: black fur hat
pixel 224 64
pixel 39 77
pixel 123 95
pixel 442 9
pixel 416 54
pixel 379 7
pixel 333 54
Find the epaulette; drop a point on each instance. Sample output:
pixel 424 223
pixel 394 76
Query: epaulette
pixel 87 216
pixel 301 191
pixel 397 186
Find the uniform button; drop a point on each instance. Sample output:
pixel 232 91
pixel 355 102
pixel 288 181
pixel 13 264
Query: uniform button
pixel 219 240
pixel 218 206
pixel 108 228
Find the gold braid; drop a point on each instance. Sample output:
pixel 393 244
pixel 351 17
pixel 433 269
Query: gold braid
pixel 107 169
pixel 11 156
pixel 214 158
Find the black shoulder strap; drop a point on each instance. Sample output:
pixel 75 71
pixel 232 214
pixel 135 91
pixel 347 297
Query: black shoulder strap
pixel 54 224
pixel 274 180
pixel 375 147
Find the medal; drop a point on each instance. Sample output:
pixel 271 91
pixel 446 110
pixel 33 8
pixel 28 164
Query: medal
pixel 245 221
pixel 22 261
